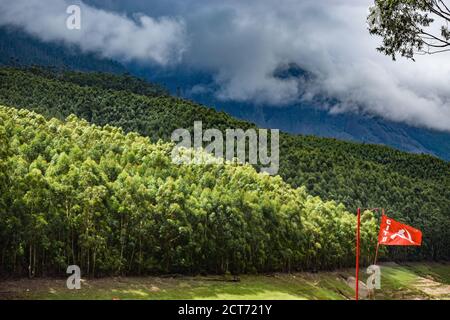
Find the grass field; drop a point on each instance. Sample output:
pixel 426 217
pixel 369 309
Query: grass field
pixel 411 281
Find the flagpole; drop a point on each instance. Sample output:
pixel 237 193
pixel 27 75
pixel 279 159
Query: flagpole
pixel 378 244
pixel 376 253
pixel 358 223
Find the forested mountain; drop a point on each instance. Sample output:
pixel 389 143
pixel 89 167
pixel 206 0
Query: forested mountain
pixel 413 188
pixel 303 117
pixel 114 203
pixel 19 48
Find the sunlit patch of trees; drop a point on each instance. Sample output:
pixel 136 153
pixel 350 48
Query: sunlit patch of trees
pixel 114 203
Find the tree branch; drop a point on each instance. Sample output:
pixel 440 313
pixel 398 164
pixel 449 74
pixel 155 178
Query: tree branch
pixel 445 6
pixel 446 43
pixel 443 15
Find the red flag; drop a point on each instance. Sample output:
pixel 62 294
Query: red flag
pixel 394 233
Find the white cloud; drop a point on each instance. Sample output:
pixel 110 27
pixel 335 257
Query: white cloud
pixel 113 35
pixel 243 42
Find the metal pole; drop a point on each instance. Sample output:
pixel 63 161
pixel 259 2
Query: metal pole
pixel 376 253
pixel 358 223
pixel 378 244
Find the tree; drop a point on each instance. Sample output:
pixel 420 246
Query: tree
pixel 410 27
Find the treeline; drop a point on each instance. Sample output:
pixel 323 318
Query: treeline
pixel 413 188
pixel 101 80
pixel 114 203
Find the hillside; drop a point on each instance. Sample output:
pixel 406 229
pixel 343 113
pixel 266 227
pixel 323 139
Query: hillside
pixel 414 188
pixel 17 48
pixel 74 193
pixel 303 117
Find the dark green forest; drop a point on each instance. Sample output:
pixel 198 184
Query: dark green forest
pixel 114 203
pixel 413 188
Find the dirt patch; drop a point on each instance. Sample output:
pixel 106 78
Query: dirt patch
pixel 434 289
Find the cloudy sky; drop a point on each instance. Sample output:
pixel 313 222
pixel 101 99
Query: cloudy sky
pixel 242 42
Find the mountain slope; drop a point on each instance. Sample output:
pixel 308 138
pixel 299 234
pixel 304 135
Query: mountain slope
pixel 414 188
pixel 305 119
pixel 19 48
pixel 309 118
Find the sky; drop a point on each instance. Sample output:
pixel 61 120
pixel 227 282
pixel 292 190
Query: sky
pixel 241 43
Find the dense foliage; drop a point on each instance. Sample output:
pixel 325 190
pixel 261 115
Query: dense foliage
pixel 74 193
pixel 414 188
pixel 116 82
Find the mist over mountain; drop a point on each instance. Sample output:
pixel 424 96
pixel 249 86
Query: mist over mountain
pixel 19 48
pixel 310 117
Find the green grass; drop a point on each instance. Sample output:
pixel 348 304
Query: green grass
pixel 283 287
pixel 398 282
pixel 439 272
